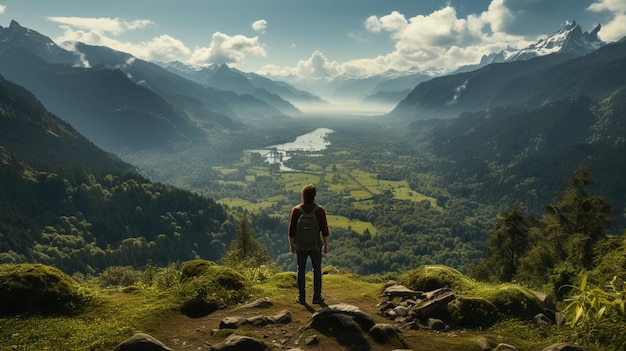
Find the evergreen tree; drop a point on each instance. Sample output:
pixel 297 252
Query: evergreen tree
pixel 245 251
pixel 508 243
pixel 563 240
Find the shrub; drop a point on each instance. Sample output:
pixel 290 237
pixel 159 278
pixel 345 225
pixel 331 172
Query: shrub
pixel 195 268
pixel 472 312
pixel 285 280
pixel 38 289
pixel 205 287
pixel 118 276
pixel 515 301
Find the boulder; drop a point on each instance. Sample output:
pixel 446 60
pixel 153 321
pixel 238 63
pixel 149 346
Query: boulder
pixel 505 347
pixel 565 347
pixel 282 317
pixel 398 290
pixel 232 322
pixel 383 333
pixel 263 302
pixel 236 342
pixel 141 342
pixel 362 319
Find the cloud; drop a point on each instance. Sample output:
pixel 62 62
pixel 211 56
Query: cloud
pixel 227 49
pixel 3 8
pixel 163 48
pixel 615 28
pixel 259 26
pixel 115 26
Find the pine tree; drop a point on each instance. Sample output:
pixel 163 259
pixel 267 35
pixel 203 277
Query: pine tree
pixel 245 251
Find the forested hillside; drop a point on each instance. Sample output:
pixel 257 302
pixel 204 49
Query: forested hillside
pixel 67 203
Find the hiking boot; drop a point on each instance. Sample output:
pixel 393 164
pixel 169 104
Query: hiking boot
pixel 318 300
pixel 300 301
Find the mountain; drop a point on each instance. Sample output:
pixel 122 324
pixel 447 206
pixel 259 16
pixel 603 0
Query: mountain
pixel 570 39
pixel 278 94
pixel 123 102
pixel 527 83
pixel 68 203
pixel 525 156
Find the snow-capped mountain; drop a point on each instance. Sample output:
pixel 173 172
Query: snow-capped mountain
pixel 569 39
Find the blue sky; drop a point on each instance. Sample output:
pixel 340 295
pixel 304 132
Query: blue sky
pixel 321 38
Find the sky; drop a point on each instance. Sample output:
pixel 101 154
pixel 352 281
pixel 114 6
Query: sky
pixel 313 39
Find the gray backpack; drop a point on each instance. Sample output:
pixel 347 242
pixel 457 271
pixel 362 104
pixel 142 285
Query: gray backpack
pixel 308 231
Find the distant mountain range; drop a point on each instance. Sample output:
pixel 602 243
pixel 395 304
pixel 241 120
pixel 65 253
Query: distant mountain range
pixel 121 102
pixel 526 83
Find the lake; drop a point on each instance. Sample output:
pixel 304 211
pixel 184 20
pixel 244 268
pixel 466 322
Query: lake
pixel 310 144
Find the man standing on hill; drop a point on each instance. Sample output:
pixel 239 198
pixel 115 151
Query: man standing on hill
pixel 307 221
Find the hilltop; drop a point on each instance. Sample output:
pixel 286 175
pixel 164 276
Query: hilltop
pixel 269 314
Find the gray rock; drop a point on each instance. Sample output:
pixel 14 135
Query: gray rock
pixel 240 343
pixel 565 347
pixel 383 332
pixel 505 347
pixel 484 344
pixel 232 322
pixel 282 317
pixel 362 319
pixel 141 342
pixel 312 340
pixel 436 324
pixel 257 321
pixel 398 290
pixel 263 302
pixel 542 319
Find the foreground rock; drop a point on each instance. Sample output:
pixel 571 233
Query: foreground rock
pixel 142 342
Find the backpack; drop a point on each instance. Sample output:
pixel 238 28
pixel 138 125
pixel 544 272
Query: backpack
pixel 308 231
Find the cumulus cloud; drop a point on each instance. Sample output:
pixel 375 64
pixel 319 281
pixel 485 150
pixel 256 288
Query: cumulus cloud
pixel 164 48
pixel 227 49
pixel 3 8
pixel 615 28
pixel 259 26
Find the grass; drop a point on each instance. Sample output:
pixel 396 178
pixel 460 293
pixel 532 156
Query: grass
pixel 355 225
pixel 121 312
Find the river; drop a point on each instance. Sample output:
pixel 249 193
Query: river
pixel 310 144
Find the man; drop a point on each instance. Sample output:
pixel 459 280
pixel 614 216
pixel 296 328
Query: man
pixel 315 252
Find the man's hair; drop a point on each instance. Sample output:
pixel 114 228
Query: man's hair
pixel 308 193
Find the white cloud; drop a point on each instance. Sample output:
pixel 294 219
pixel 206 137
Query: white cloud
pixel 615 29
pixel 115 26
pixel 259 26
pixel 164 48
pixel 3 8
pixel 227 49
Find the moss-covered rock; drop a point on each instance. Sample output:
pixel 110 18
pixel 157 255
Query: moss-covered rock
pixel 38 289
pixel 206 286
pixel 472 312
pixel 284 280
pixel 429 278
pixel 195 268
pixel 515 301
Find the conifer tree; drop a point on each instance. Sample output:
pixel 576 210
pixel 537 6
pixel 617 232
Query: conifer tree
pixel 245 251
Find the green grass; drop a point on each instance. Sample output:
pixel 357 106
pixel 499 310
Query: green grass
pixel 345 223
pixel 123 311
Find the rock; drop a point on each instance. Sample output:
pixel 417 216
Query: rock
pixel 559 318
pixel 383 332
pixel 483 344
pixel 505 347
pixel 283 317
pixel 236 342
pixel 565 347
pixel 436 324
pixel 257 321
pixel 141 342
pixel 398 290
pixel 231 322
pixel 263 302
pixel 542 319
pixel 362 319
pixel 312 340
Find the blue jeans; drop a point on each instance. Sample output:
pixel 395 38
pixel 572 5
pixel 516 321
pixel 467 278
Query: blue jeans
pixel 316 262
